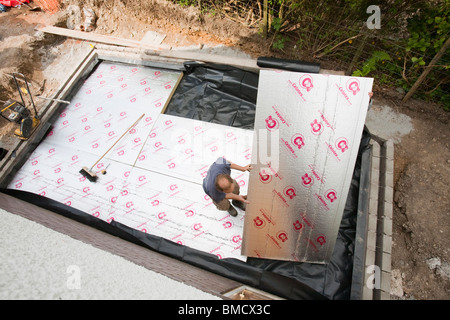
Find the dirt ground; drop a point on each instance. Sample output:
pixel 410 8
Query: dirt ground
pixel 421 223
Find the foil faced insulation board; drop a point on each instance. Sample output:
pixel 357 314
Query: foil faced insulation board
pixel 154 174
pixel 308 129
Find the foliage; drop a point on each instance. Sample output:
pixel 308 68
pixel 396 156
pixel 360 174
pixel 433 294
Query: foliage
pixel 334 33
pixel 428 30
pixel 187 3
pixel 371 64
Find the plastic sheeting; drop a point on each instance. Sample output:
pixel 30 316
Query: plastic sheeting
pixel 216 93
pixel 287 64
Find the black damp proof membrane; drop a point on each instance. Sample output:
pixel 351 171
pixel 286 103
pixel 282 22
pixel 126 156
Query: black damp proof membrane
pixel 216 93
pixel 227 95
pixel 287 64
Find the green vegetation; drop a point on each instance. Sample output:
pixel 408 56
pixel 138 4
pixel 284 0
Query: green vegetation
pixel 335 34
pixel 372 63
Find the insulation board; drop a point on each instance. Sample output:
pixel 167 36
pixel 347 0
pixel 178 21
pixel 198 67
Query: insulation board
pixel 308 129
pixel 154 173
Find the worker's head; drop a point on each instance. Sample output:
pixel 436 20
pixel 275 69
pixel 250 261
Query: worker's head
pixel 224 183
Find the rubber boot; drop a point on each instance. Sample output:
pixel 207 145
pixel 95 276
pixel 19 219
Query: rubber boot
pixel 232 211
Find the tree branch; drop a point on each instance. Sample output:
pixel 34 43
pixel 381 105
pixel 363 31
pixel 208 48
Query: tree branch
pixel 340 43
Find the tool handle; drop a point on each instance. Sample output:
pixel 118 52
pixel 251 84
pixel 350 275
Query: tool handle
pixel 118 140
pixel 28 90
pixel 57 100
pixel 8 106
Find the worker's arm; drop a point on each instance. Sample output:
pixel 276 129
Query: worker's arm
pixel 238 167
pixel 237 197
pixel 370 100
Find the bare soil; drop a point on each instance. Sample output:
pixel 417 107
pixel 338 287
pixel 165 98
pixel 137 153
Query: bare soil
pixel 421 222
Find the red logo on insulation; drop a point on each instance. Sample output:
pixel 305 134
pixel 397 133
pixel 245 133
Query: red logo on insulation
pixel 227 224
pixel 306 82
pixel 264 177
pixel 342 144
pixel 298 225
pixel 298 140
pixel 307 181
pixel 259 223
pixel 321 239
pixel 289 191
pixel 353 86
pixel 271 123
pixel 282 235
pixel 236 239
pixel 190 213
pixel 331 195
pixel 316 127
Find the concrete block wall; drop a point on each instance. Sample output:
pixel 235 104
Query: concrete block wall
pixel 377 276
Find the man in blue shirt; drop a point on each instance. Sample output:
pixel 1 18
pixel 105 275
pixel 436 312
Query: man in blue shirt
pixel 220 187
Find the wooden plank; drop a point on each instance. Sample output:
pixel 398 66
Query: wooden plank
pixel 95 37
pixel 171 93
pixel 248 64
pixel 153 38
pixel 243 63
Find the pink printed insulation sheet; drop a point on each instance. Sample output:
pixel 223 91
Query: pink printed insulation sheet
pixel 309 128
pixel 154 174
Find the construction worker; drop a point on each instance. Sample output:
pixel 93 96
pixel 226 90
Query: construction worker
pixel 221 188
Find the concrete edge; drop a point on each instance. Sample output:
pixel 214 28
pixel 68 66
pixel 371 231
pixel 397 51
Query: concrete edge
pixel 386 244
pixel 379 233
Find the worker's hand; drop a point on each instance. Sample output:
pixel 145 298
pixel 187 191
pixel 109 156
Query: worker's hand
pixel 242 198
pixel 370 94
pixel 248 167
